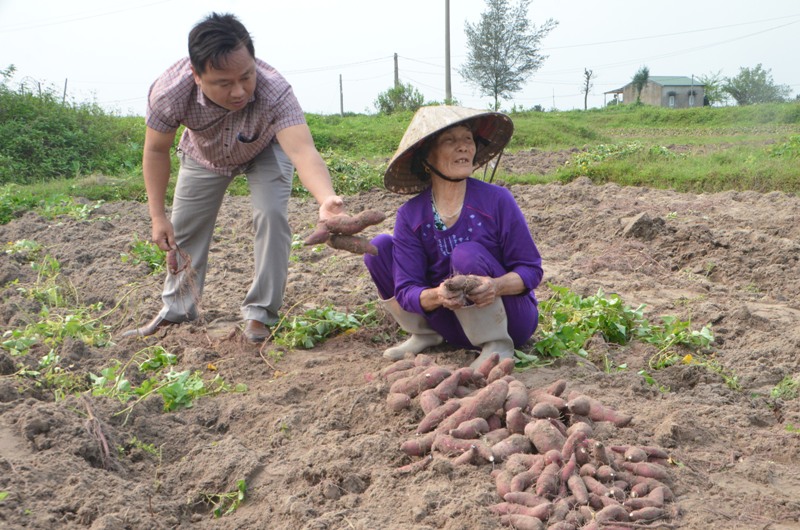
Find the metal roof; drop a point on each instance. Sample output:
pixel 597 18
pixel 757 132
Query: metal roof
pixel 664 80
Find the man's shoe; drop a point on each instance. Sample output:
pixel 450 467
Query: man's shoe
pixel 150 328
pixel 256 331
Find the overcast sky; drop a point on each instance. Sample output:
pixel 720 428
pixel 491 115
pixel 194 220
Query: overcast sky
pixel 109 52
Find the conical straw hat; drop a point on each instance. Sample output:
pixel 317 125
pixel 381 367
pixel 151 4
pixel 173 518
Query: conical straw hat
pixel 492 130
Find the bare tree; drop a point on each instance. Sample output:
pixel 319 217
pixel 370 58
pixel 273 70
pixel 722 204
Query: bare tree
pixel 503 49
pixel 588 75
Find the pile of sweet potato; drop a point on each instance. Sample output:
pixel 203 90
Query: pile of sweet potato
pixel 339 232
pixel 549 470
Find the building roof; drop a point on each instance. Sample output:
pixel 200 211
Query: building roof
pixel 665 80
pixel 674 80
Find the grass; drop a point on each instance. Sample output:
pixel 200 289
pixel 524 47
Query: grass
pixel 691 150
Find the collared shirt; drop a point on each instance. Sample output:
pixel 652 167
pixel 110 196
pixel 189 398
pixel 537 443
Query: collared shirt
pixel 490 216
pixel 224 141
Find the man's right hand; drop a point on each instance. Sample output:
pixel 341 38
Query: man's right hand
pixel 163 234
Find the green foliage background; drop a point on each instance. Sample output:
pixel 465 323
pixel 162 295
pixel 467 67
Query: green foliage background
pixel 53 151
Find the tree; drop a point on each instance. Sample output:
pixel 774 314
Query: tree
pixel 639 81
pixel 503 49
pixel 588 75
pixel 712 86
pixel 755 85
pixel 399 98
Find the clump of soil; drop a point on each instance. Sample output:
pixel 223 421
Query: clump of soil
pixel 313 438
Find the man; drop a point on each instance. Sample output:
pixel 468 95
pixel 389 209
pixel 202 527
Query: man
pixel 241 117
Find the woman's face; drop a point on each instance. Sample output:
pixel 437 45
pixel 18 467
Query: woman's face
pixel 453 152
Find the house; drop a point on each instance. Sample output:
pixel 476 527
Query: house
pixel 677 92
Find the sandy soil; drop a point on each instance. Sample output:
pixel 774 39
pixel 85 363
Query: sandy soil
pixel 313 437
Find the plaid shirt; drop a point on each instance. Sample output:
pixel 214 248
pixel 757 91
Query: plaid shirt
pixel 221 140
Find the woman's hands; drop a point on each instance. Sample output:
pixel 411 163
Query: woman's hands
pixel 484 293
pixel 481 292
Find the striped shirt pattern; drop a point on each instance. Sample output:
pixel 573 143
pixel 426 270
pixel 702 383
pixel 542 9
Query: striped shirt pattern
pixel 223 141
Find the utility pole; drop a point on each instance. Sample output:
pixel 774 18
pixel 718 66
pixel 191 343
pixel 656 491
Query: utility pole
pixel 448 93
pixel 64 97
pixel 396 73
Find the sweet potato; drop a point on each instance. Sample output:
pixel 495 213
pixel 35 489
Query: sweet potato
pixel 397 366
pixel 397 401
pixel 414 467
pixel 635 454
pixel 524 480
pixel 353 244
pixel 647 469
pixel 464 283
pixel 520 462
pixel 579 405
pixel 614 512
pixel 600 412
pixel 540 511
pixel 428 400
pixel 516 420
pixel 600 455
pixel 495 435
pixel 553 456
pixel 352 224
pixel 517 396
pixel 539 396
pixel 567 470
pixel 522 522
pixel 548 481
pixel 495 422
pixel 481 405
pixel 447 388
pixel 470 429
pixel 402 374
pixel 172 261
pixel 577 486
pixel 650 513
pixel 504 367
pixel 516 443
pixel 437 415
pixel 556 388
pixel 418 446
pixel 502 482
pixel 422 359
pixel 450 446
pixel 467 457
pixel 415 384
pixel 544 436
pixel 319 235
pixel 595 486
pixel 487 364
pixel 580 426
pixel 524 498
pixel 605 474
pixel 544 410
pixel 572 441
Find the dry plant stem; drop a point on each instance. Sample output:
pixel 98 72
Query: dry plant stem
pixel 95 429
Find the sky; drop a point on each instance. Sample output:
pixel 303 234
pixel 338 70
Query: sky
pixel 340 54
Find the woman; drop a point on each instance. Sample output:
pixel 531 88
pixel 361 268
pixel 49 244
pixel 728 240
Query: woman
pixel 456 225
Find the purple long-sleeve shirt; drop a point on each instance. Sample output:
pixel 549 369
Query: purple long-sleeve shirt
pixel 490 216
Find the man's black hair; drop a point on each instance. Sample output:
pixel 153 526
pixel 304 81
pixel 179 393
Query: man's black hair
pixel 215 37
